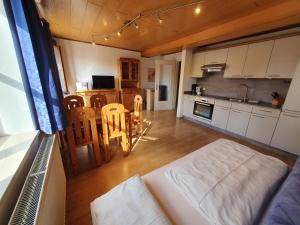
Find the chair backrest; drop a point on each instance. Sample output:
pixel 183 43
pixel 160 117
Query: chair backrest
pixel 113 119
pixel 73 101
pixel 138 106
pixel 98 100
pixel 82 125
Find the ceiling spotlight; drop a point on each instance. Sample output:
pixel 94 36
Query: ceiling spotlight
pixel 197 10
pixel 119 33
pixel 106 38
pixel 136 25
pixel 159 19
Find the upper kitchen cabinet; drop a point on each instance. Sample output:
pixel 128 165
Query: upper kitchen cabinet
pixel 197 62
pixel 257 59
pixel 235 61
pixel 216 56
pixel 284 58
pixel 292 102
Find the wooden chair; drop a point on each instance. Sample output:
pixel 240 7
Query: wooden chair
pixel 97 101
pixel 113 123
pixel 82 130
pixel 137 115
pixel 73 101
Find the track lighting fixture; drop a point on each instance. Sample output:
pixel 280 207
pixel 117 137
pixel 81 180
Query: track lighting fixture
pixel 159 19
pixel 158 14
pixel 197 10
pixel 136 25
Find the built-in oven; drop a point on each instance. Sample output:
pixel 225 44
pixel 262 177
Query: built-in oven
pixel 203 108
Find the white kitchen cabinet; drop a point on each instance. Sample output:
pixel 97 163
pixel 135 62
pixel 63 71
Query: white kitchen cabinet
pixel 261 128
pixel 287 133
pixel 216 56
pixel 188 105
pixel 235 61
pixel 220 116
pixel 284 57
pixel 197 63
pixel 242 107
pixel 292 101
pixel 257 59
pixel 238 121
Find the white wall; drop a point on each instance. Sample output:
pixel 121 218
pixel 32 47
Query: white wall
pixel 15 115
pixel 82 60
pixel 186 80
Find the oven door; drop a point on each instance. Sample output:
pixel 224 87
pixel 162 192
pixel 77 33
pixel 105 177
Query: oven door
pixel 204 110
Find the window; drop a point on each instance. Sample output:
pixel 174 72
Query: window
pixel 17 129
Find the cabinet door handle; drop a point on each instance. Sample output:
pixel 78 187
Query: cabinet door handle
pixel 236 75
pixel 222 107
pixel 235 111
pixel 273 75
pixel 290 115
pixel 293 111
pixel 263 110
pixel 258 116
pixel 249 75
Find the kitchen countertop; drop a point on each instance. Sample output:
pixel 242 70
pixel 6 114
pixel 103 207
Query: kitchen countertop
pixel 262 104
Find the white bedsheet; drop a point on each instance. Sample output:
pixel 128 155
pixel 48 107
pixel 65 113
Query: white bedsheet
pixel 128 203
pixel 227 182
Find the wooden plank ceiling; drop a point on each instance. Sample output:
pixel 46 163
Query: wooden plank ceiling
pixel 82 19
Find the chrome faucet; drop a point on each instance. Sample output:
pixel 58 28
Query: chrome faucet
pixel 245 99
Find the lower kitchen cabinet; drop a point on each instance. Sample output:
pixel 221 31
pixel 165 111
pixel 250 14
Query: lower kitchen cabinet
pixel 238 121
pixel 261 128
pixel 188 105
pixel 287 133
pixel 220 116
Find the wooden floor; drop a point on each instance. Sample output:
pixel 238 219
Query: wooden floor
pixel 169 138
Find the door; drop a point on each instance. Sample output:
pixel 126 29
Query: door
pixel 165 85
pixel 188 105
pixel 216 56
pixel 220 116
pixel 261 128
pixel 235 61
pixel 238 122
pixel 197 63
pixel 284 58
pixel 292 103
pixel 286 135
pixel 257 59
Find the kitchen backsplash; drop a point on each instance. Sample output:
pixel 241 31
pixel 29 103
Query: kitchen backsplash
pixel 259 89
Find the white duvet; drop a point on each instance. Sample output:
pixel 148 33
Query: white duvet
pixel 228 182
pixel 129 203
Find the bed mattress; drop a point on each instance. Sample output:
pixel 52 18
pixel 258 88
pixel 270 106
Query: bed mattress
pixel 180 210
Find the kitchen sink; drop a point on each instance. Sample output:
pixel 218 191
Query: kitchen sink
pixel 251 101
pixel 235 100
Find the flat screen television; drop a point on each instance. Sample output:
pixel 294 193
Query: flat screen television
pixel 103 82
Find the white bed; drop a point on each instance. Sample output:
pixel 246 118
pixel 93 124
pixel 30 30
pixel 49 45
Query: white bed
pixel 179 201
pixel 222 183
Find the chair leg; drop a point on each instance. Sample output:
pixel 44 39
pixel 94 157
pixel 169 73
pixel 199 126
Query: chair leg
pixel 72 152
pixel 106 148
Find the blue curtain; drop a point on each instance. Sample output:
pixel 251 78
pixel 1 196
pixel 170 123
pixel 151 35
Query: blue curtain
pixel 34 47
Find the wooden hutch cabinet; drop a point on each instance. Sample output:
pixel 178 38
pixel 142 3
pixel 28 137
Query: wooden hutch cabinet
pixel 129 81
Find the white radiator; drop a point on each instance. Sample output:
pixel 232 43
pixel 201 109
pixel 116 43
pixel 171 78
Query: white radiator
pixel 42 199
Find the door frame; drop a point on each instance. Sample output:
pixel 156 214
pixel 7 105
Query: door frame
pixel 173 84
